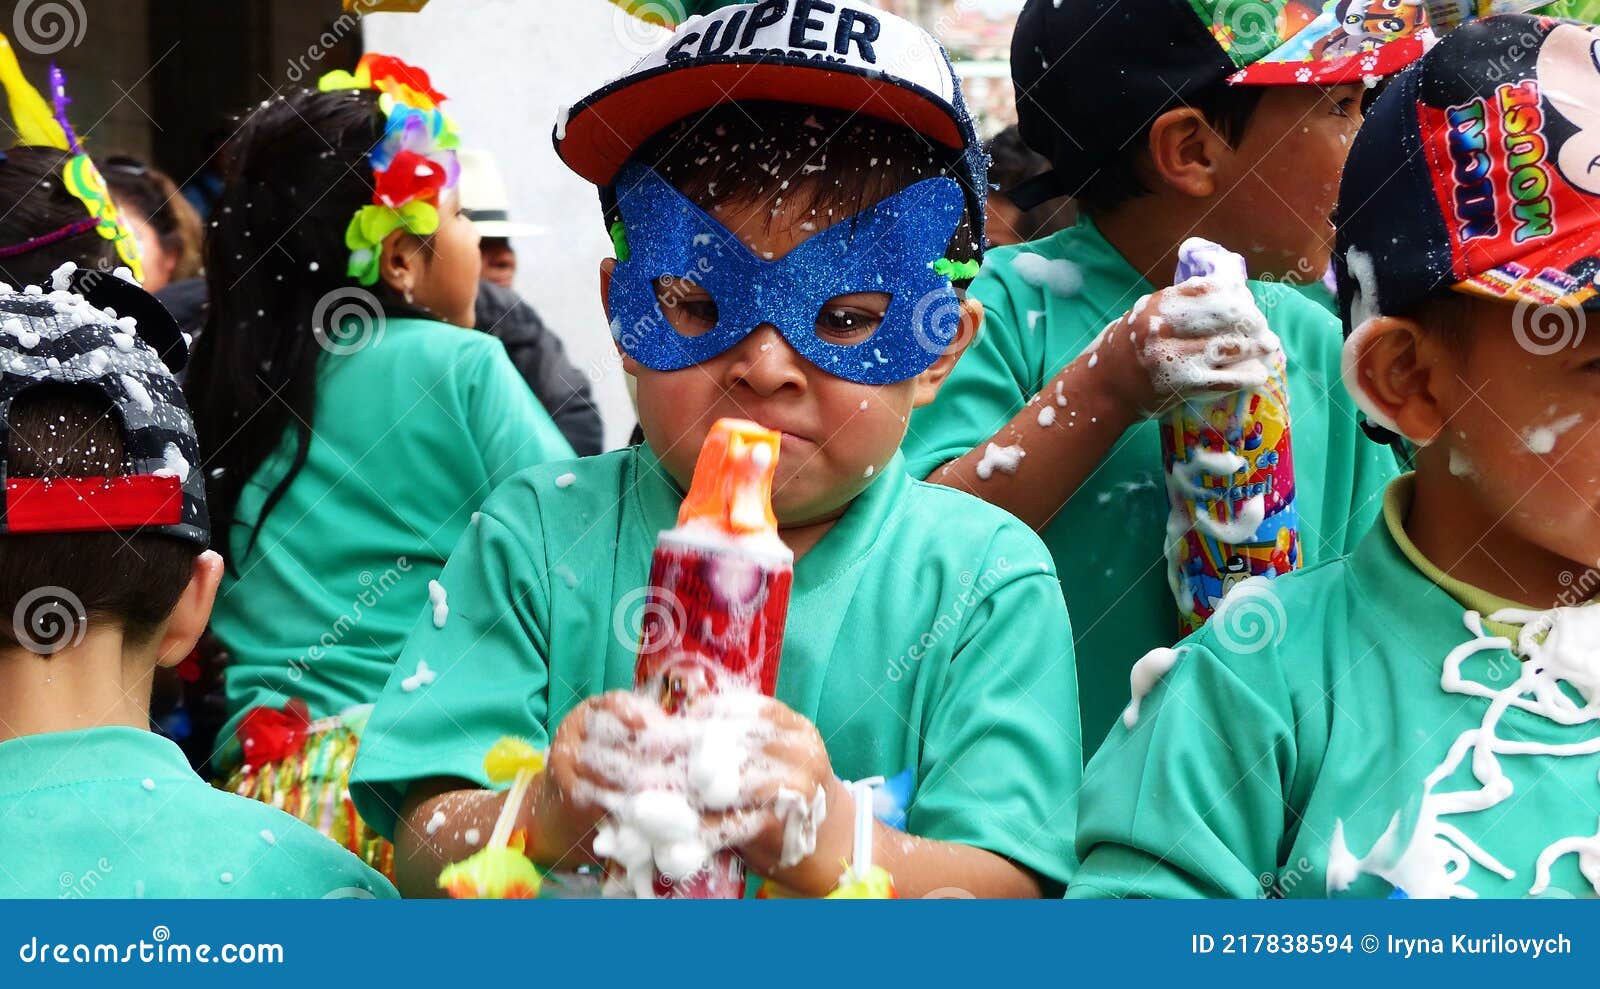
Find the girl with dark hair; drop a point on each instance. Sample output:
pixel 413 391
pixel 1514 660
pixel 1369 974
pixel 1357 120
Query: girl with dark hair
pixel 350 426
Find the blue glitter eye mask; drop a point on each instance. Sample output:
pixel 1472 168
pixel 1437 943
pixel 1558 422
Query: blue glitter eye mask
pixel 894 247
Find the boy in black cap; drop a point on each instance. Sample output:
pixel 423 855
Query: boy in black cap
pixel 1421 719
pixel 1166 119
pixel 105 574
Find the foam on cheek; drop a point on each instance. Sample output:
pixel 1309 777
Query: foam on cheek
pixel 1541 439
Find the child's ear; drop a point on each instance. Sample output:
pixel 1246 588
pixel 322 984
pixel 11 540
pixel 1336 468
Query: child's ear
pixel 1393 367
pixel 193 610
pixel 606 268
pixel 400 262
pixel 929 381
pixel 1185 150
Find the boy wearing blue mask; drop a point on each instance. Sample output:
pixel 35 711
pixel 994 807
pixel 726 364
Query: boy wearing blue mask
pixel 791 192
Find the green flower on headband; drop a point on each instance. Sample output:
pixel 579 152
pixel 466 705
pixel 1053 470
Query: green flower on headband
pixel 372 224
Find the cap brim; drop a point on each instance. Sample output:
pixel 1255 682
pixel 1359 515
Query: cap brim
pixel 1290 66
pixel 604 130
pixel 1558 275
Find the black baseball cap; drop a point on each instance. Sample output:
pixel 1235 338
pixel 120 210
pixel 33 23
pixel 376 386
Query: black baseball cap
pixel 1091 75
pixel 1478 171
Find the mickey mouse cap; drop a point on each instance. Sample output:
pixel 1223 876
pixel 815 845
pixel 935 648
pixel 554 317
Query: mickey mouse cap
pixel 100 332
pixel 1478 170
pixel 844 55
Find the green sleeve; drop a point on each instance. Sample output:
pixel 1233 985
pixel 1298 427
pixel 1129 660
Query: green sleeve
pixel 488 662
pixel 1190 802
pixel 1002 758
pixel 513 431
pixel 989 385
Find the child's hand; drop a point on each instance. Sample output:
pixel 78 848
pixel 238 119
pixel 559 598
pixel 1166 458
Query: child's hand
pixel 587 768
pixel 796 820
pixel 1200 338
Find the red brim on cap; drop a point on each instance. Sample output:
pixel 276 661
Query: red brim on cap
pixel 604 130
pixel 1381 62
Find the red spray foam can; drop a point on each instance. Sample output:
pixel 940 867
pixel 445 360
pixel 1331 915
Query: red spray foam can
pixel 717 601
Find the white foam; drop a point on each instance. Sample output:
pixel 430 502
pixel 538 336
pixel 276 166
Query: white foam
pixel 1561 652
pixel 440 601
pixel 566 480
pixel 1056 275
pixel 1147 672
pixel 1003 458
pixel 1047 416
pixel 173 463
pixel 419 679
pixel 137 392
pixel 1542 439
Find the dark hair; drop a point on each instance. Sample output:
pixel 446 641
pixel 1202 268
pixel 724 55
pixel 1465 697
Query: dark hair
pixel 297 173
pixel 37 204
pixel 137 186
pixel 1227 109
pixel 133 579
pixel 760 152
pixel 1011 162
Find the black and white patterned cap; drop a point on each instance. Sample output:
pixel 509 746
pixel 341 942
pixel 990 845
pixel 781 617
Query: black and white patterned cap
pixel 102 331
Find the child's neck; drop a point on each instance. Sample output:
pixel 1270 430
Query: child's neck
pixel 90 685
pixel 1147 231
pixel 1449 526
pixel 803 538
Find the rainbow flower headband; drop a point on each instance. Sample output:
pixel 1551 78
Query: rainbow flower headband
pixel 45 125
pixel 411 165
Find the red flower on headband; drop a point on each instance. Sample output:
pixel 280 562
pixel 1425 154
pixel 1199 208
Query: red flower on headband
pixel 409 178
pixel 269 735
pixel 387 68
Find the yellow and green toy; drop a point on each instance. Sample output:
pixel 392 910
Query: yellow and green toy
pixel 500 870
pixel 44 124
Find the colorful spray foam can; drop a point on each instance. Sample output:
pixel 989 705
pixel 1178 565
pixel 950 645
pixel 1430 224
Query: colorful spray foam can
pixel 717 600
pixel 1230 477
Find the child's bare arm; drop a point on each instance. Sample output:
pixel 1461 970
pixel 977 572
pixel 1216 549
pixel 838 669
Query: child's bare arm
pixel 1180 343
pixel 919 866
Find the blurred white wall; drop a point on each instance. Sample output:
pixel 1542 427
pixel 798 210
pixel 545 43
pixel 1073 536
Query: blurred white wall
pixel 508 67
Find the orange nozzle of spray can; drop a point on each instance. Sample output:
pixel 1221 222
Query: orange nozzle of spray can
pixel 732 487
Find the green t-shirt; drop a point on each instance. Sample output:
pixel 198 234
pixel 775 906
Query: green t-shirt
pixel 926 631
pixel 1109 539
pixel 117 813
pixel 1293 735
pixel 411 434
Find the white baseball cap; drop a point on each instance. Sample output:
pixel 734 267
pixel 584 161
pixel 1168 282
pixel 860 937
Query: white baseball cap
pixel 845 55
pixel 484 199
